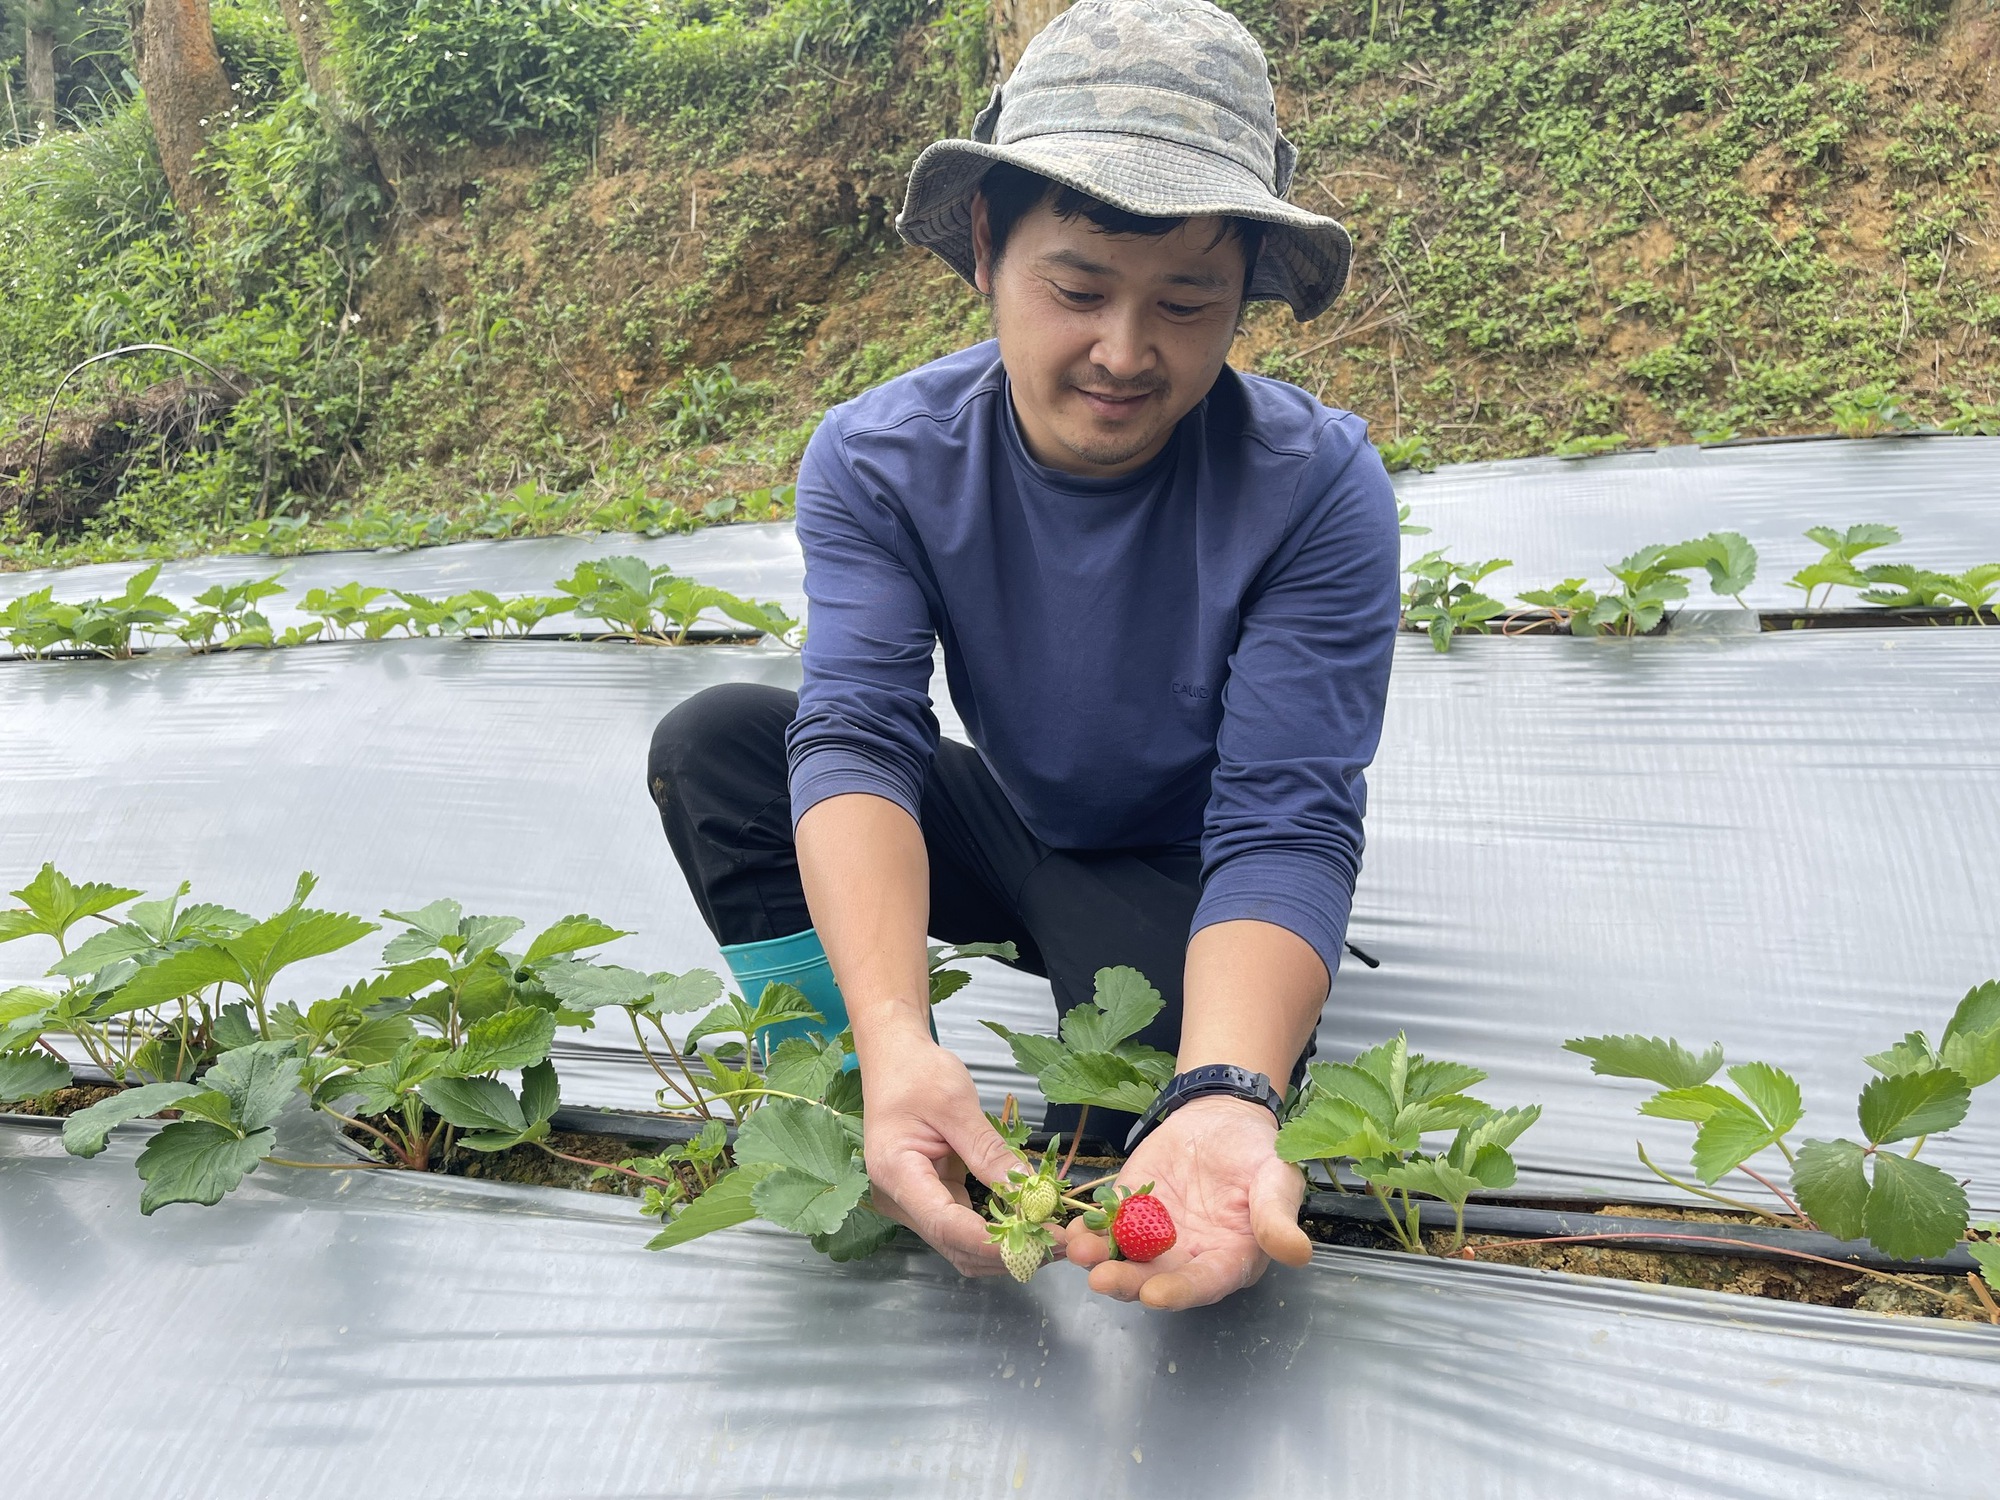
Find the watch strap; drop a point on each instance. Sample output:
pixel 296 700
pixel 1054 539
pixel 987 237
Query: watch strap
pixel 1224 1079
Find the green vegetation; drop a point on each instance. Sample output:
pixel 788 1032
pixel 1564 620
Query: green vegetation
pixel 603 265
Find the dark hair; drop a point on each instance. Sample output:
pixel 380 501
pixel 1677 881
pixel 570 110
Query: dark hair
pixel 1011 192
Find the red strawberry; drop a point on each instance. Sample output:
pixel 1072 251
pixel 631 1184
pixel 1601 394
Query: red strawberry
pixel 1143 1229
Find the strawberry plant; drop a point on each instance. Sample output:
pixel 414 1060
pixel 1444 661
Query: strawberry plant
pixel 658 606
pixel 1444 600
pixel 1835 567
pixel 1648 581
pixel 1093 1061
pixel 1900 586
pixel 1375 1112
pixel 795 1160
pixel 229 611
pixel 1850 1188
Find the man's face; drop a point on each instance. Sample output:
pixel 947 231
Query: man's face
pixel 1108 340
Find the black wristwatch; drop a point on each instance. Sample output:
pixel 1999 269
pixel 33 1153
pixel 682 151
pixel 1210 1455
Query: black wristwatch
pixel 1199 1083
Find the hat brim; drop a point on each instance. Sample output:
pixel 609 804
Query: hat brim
pixel 1303 261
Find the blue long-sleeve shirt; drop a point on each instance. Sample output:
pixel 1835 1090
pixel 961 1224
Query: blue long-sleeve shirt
pixel 1198 651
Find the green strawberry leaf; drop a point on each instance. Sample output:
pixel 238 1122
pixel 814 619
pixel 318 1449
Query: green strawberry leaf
pixel 588 986
pixel 197 1161
pixel 102 949
pixel 805 1138
pixel 1653 1058
pixel 1972 1036
pixel 1033 1053
pixel 481 1104
pixel 861 1234
pixel 1359 1087
pixel 1101 1079
pixel 52 904
pixel 212 1105
pixel 1388 1063
pixel 725 1205
pixel 1430 1078
pixel 1912 1054
pixel 1726 1140
pixel 1427 1174
pixel 516 1038
pixel 1330 1127
pixel 806 1068
pixel 1773 1091
pixel 1914 1210
pixel 175 977
pixel 1832 1187
pixel 86 1131
pixel 541 1094
pixel 680 994
pixel 258 1081
pixel 23 1075
pixel 1902 1105
pixel 945 983
pixel 781 1003
pixel 1451 1112
pixel 1988 1259
pixel 1698 1104
pixel 569 935
pixel 1123 1005
pixel 805 1204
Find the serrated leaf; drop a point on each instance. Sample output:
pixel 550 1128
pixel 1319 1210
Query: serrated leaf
pixel 945 983
pixel 23 1075
pixel 174 977
pixel 1831 1186
pixel 102 949
pixel 1702 1102
pixel 1033 1053
pixel 292 936
pixel 781 1003
pixel 1774 1092
pixel 568 935
pixel 1726 1140
pixel 1904 1105
pixel 375 1039
pixel 258 1079
pixel 1500 1127
pixel 85 1132
pixel 1426 1174
pixel 1330 1127
pixel 1912 1054
pixel 680 994
pixel 197 1161
pixel 475 1104
pixel 1913 1210
pixel 515 1038
pixel 1449 1113
pixel 1358 1087
pixel 484 935
pixel 1987 1257
pixel 804 1204
pixel 1389 1064
pixel 725 1205
pixel 1971 1045
pixel 1124 1004
pixel 1103 1080
pixel 1432 1078
pixel 209 1104
pixel 802 1067
pixel 233 1027
pixel 1493 1166
pixel 434 922
pixel 861 1234
pixel 541 1093
pixel 802 1137
pixel 1655 1059
pixel 587 986
pixel 52 903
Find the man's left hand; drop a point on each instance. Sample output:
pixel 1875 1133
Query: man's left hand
pixel 1235 1206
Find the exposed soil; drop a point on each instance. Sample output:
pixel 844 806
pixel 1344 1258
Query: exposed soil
pixel 1874 619
pixel 62 1102
pixel 1819 1286
pixel 534 1167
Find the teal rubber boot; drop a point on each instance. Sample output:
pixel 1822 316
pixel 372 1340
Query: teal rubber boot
pixel 801 962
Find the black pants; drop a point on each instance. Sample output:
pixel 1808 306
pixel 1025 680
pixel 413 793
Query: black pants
pixel 718 774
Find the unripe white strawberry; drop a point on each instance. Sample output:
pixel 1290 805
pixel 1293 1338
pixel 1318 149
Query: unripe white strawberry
pixel 1039 1200
pixel 1021 1256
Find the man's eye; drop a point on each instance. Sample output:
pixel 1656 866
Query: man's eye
pixel 1075 299
pixel 1179 310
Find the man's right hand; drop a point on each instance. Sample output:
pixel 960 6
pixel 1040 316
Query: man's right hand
pixel 922 1130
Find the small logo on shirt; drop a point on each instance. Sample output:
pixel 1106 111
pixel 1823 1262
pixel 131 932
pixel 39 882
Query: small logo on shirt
pixel 1190 689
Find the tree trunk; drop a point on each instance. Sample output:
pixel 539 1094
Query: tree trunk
pixel 188 97
pixel 41 61
pixel 1017 23
pixel 311 25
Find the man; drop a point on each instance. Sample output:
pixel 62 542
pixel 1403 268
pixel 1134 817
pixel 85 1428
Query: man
pixel 1167 596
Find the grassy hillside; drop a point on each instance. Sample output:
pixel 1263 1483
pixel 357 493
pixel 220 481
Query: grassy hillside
pixel 631 255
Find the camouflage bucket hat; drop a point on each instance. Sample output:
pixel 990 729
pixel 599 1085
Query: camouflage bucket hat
pixel 1158 107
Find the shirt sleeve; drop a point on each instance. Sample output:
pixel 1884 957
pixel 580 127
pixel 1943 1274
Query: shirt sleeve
pixel 1302 706
pixel 864 722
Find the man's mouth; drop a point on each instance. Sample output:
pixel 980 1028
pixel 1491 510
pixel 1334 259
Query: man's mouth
pixel 1104 405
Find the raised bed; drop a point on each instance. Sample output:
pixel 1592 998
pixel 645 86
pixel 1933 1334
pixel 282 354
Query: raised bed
pixel 1872 619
